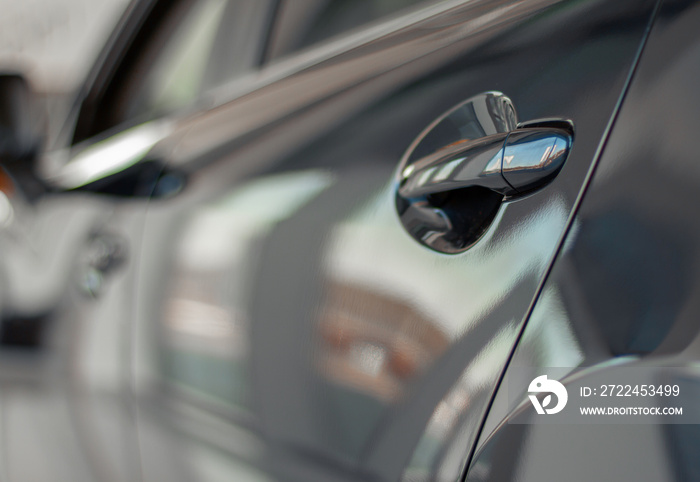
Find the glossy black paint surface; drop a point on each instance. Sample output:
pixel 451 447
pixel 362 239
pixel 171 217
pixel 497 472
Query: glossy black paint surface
pixel 450 185
pixel 623 292
pixel 468 141
pixel 272 320
pixel 343 346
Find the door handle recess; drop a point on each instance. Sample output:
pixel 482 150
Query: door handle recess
pixel 454 177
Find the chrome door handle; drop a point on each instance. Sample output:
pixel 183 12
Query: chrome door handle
pixel 511 164
pixel 465 164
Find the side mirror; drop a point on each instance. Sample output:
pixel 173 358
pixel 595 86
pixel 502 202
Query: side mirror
pixel 21 132
pixel 120 164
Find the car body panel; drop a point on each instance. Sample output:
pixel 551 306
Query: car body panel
pixel 346 336
pixel 272 320
pixel 622 295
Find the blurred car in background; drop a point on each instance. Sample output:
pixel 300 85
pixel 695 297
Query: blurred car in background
pixel 315 240
pixel 54 42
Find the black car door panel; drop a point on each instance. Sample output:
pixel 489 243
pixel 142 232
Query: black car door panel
pixel 621 296
pixel 287 326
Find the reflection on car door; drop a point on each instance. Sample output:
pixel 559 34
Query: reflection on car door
pixel 288 327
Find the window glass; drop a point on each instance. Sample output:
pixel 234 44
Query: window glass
pixel 176 77
pixel 307 22
pixel 192 47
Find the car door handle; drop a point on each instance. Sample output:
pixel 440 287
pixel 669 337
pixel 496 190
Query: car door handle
pixel 449 194
pixel 511 164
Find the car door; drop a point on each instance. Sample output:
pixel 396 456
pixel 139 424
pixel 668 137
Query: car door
pixel 287 326
pixel 619 307
pixel 281 321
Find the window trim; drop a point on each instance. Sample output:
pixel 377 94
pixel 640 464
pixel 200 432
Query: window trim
pixel 276 69
pixel 290 9
pixel 355 36
pixel 143 22
pixel 133 30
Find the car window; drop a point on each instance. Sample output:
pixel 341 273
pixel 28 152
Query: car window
pixel 191 47
pixel 176 77
pixel 211 44
pixel 303 23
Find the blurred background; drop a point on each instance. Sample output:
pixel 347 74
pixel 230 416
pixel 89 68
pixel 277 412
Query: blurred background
pixel 54 42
